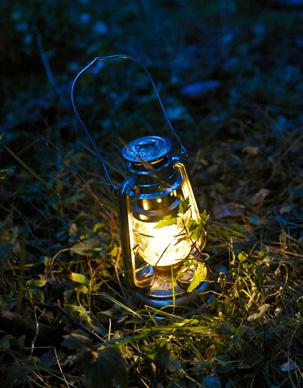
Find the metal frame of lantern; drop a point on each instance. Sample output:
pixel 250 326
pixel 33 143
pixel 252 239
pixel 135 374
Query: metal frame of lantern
pixel 156 184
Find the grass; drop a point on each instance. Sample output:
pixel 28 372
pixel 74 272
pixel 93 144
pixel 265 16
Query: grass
pixel 60 249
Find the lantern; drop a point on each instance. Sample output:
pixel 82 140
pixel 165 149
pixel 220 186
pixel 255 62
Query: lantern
pixel 159 252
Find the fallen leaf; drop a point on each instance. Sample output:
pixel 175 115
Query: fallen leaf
pixel 231 209
pixel 86 246
pixel 177 113
pixel 251 151
pixel 200 89
pixel 211 382
pixel 259 197
pixel 288 366
pixel 262 310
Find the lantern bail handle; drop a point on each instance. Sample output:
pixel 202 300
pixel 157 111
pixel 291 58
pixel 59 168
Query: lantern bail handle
pixel 96 150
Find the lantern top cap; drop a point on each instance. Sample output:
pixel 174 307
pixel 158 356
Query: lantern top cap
pixel 147 149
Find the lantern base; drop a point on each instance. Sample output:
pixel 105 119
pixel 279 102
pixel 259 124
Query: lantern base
pixel 165 291
pixel 183 302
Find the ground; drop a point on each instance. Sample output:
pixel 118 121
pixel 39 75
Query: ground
pixel 230 75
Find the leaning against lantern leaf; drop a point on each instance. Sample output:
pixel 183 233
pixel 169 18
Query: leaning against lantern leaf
pixel 193 270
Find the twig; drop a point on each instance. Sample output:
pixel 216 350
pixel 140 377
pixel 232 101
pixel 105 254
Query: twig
pixel 48 70
pixel 24 165
pixel 36 331
pixel 60 368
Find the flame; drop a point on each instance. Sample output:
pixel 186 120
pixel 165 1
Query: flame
pixel 161 247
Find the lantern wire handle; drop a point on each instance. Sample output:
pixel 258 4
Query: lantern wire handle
pixel 95 148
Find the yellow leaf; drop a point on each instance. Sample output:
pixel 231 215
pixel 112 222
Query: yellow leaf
pixel 199 277
pixel 79 278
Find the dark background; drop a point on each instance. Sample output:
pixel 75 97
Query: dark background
pixel 230 75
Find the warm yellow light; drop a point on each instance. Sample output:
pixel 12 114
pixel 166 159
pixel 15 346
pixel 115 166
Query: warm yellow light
pixel 163 246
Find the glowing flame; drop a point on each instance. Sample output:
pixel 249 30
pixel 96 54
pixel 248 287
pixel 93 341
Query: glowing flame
pixel 160 247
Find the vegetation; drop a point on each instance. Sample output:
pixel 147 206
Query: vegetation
pixel 231 77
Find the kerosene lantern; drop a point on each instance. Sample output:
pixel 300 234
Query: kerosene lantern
pixel 159 255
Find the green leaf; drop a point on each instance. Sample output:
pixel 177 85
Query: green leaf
pixel 199 277
pixel 184 206
pixel 79 278
pixel 35 295
pixel 166 221
pixel 242 256
pixel 82 289
pixel 197 231
pixel 98 226
pixel 39 282
pixel 82 312
pixel 114 251
pixel 204 218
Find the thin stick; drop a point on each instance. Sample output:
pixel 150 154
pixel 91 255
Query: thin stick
pixel 47 68
pixel 36 331
pixel 60 368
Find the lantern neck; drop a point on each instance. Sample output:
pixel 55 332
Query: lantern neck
pixel 156 191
